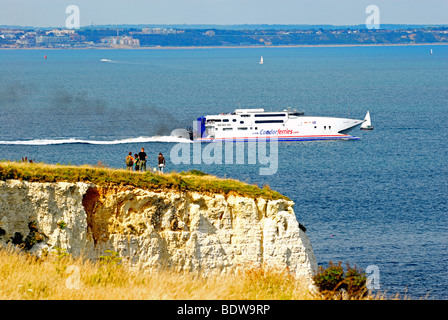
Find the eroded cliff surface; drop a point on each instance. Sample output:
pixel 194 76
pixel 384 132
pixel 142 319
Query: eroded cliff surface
pixel 183 230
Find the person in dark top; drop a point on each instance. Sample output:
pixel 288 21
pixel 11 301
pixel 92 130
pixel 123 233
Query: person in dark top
pixel 142 159
pixel 161 161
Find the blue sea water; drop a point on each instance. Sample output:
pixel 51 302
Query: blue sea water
pixel 381 200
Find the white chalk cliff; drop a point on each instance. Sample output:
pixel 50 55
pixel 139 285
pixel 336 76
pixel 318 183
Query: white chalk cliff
pixel 184 230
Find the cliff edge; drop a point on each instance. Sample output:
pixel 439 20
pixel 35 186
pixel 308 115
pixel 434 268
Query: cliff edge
pixel 182 229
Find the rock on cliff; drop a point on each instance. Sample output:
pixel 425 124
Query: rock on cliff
pixel 184 230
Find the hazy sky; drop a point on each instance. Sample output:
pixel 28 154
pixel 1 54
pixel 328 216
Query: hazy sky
pixel 46 13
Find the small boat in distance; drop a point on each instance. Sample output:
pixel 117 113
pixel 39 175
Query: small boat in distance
pixel 261 60
pixel 367 124
pixel 105 60
pixel 431 51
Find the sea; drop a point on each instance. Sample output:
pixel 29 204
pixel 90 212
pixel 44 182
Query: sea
pixel 378 203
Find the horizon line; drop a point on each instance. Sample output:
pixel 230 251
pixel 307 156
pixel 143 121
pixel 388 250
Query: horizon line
pixel 227 25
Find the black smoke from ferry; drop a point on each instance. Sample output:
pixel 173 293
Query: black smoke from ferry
pixel 138 119
pixel 79 109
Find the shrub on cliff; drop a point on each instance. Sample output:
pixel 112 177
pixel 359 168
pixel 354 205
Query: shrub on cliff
pixel 334 283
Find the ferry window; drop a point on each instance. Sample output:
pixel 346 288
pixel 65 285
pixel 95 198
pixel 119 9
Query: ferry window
pixel 234 120
pixel 256 128
pixel 227 129
pixel 225 120
pixel 270 115
pixel 325 127
pixel 329 127
pixel 242 128
pixel 315 127
pixel 268 121
pixel 245 115
pixel 241 122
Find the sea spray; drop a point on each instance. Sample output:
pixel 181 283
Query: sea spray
pixel 42 142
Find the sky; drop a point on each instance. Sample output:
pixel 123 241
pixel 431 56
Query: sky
pixel 51 13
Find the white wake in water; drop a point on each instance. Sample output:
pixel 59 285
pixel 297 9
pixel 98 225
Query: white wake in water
pixel 44 142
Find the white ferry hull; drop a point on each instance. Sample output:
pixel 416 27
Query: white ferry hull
pixel 255 124
pixel 298 138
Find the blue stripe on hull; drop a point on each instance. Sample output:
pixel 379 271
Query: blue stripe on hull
pixel 284 139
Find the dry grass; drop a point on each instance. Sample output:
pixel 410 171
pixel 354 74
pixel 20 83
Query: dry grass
pixel 185 181
pixel 23 276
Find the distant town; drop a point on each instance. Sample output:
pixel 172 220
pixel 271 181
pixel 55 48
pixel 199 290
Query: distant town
pixel 147 36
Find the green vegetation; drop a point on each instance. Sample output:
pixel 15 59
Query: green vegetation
pixel 101 176
pixel 112 258
pixel 33 237
pixel 62 225
pixel 333 281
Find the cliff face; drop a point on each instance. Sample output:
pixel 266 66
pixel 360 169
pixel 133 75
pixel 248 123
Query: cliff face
pixel 185 230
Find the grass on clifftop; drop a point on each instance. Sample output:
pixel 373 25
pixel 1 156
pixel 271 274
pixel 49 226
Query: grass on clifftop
pixel 59 276
pixel 185 181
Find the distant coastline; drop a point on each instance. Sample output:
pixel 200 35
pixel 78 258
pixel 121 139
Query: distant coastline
pixel 191 38
pixel 235 47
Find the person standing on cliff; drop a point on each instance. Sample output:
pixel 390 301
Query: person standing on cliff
pixel 129 162
pixel 142 159
pixel 136 162
pixel 161 161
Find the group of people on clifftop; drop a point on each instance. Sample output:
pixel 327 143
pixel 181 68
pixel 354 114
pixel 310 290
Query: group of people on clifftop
pixel 138 161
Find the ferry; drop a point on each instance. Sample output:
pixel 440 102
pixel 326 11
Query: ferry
pixel 286 125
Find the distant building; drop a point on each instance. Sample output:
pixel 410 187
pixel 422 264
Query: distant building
pixel 158 31
pixel 8 36
pixel 25 42
pixel 121 41
pixel 28 39
pixel 58 32
pixel 52 39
